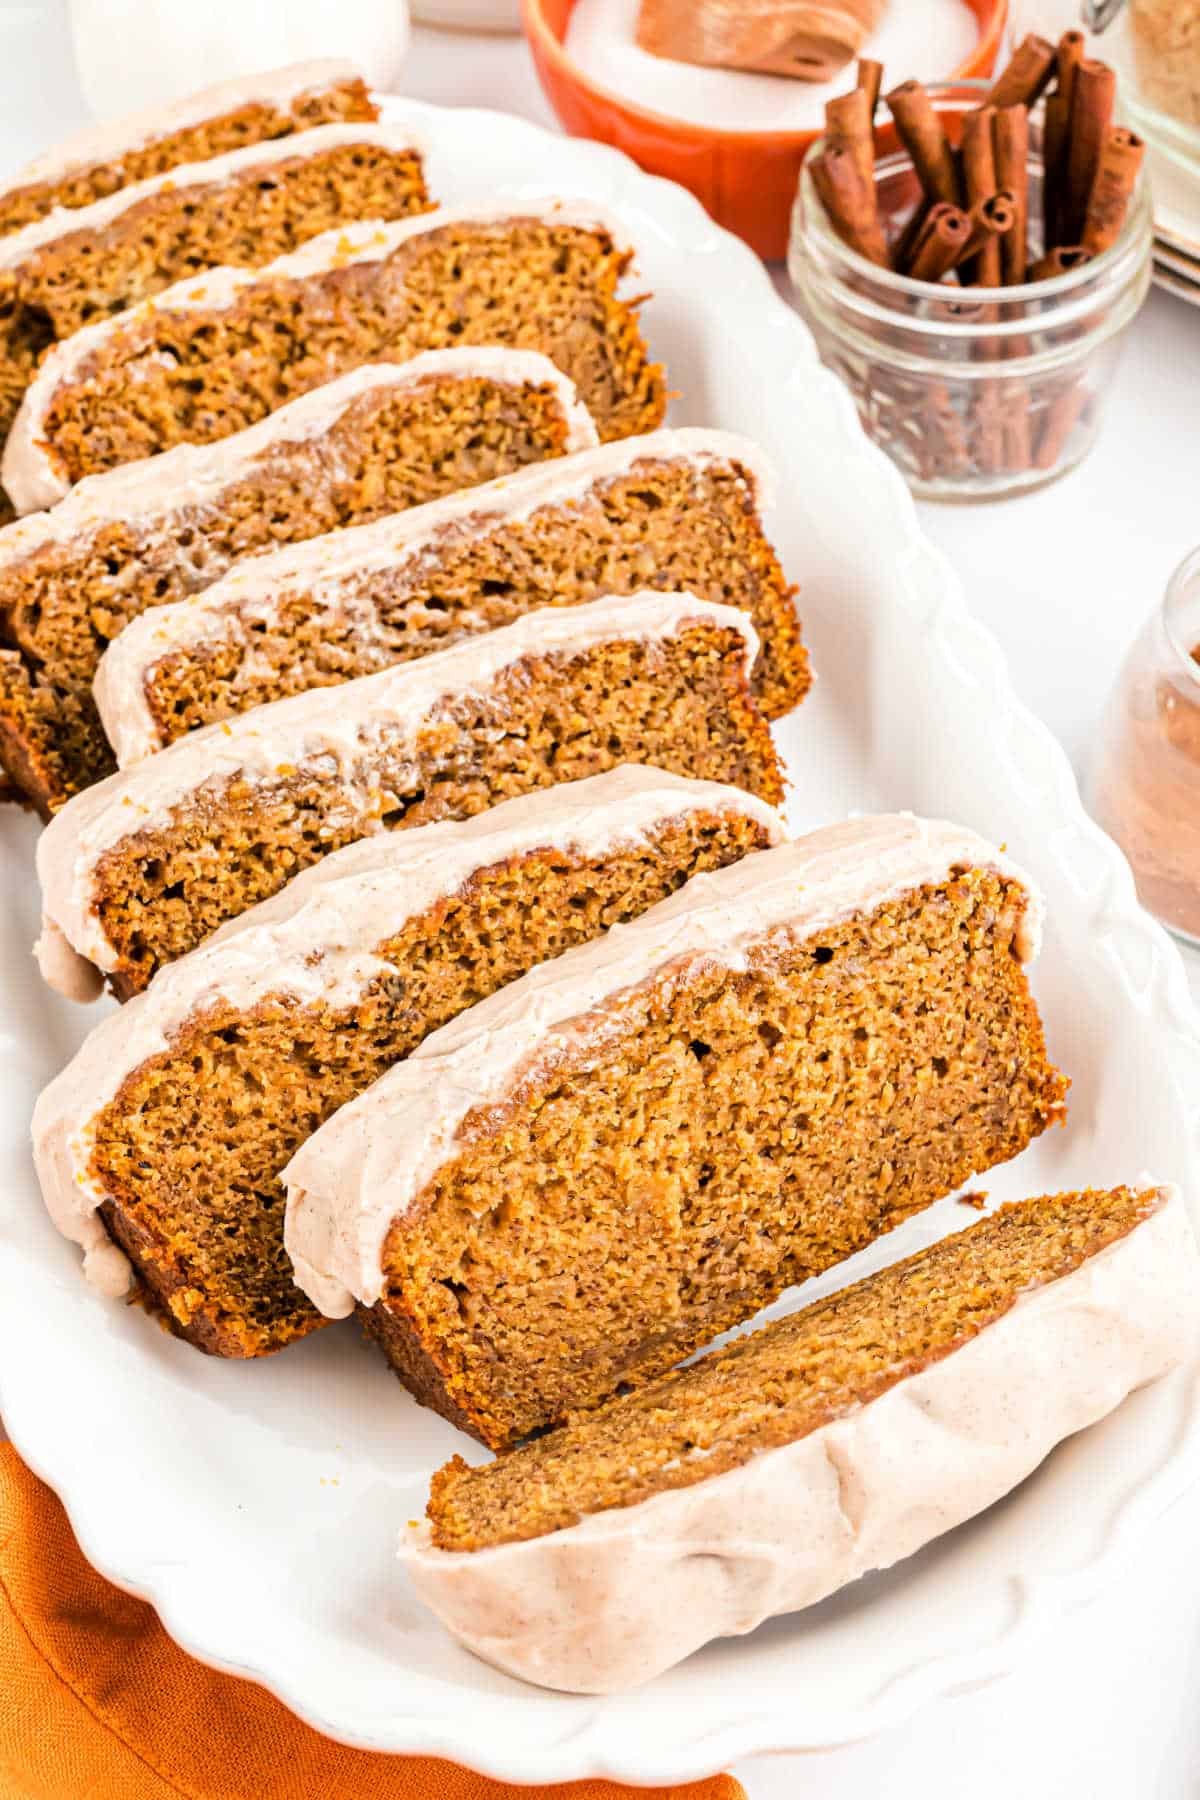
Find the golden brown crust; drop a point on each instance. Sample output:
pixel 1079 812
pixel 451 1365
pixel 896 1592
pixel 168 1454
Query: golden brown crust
pixel 412 1363
pixel 166 1289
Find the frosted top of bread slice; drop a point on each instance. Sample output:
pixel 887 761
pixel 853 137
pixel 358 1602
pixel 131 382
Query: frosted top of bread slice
pixel 336 726
pixel 316 944
pixel 367 1166
pixel 30 472
pixel 194 475
pixel 18 246
pixel 326 567
pixel 106 142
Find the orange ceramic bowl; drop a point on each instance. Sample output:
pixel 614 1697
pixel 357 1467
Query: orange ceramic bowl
pixel 746 179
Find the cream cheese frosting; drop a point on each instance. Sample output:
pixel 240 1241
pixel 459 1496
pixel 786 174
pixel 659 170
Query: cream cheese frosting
pixel 625 1594
pixel 30 465
pixel 315 942
pixel 18 246
pixel 337 726
pixel 372 1160
pixel 103 143
pixel 195 475
pixel 333 571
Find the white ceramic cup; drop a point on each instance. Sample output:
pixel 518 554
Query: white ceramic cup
pixel 470 15
pixel 137 53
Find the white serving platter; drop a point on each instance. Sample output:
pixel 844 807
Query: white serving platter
pixel 257 1505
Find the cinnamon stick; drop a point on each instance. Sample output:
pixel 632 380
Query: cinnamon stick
pixel 1063 415
pixel 1060 262
pixel 979 182
pixel 1011 134
pixel 1072 46
pixel 850 203
pixel 906 243
pixel 1018 435
pixel 930 219
pixel 848 122
pixel 1026 76
pixel 990 219
pixel 952 456
pixel 941 244
pixel 988 420
pixel 870 80
pixel 923 135
pixel 1092 105
pixel 1056 126
pixel 1121 157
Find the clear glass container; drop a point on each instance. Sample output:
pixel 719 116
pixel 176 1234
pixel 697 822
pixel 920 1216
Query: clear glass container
pixel 1165 102
pixel 1154 45
pixel 1145 785
pixel 1158 44
pixel 975 393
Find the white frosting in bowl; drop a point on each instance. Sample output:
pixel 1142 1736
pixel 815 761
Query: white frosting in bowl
pixel 625 1594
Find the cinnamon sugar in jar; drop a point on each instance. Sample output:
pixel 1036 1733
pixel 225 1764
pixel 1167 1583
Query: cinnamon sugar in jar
pixel 1146 783
pixel 1166 47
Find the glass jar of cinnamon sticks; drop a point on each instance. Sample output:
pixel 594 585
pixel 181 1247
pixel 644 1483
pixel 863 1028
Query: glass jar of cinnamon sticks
pixel 982 390
pixel 1145 785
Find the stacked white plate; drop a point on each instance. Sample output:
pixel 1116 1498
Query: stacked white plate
pixel 1176 227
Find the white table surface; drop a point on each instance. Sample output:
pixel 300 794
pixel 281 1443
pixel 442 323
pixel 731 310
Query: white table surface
pixel 1108 1706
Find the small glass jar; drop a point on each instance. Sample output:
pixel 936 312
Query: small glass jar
pixel 1145 785
pixel 974 392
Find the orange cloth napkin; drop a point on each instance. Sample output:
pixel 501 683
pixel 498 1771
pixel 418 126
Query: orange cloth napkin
pixel 97 1703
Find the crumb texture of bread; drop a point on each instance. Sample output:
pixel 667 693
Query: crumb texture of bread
pixel 841 1441
pixel 190 1150
pixel 342 100
pixel 668 522
pixel 198 373
pixel 722 1136
pixel 391 448
pixel 243 219
pixel 783 1381
pixel 680 702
